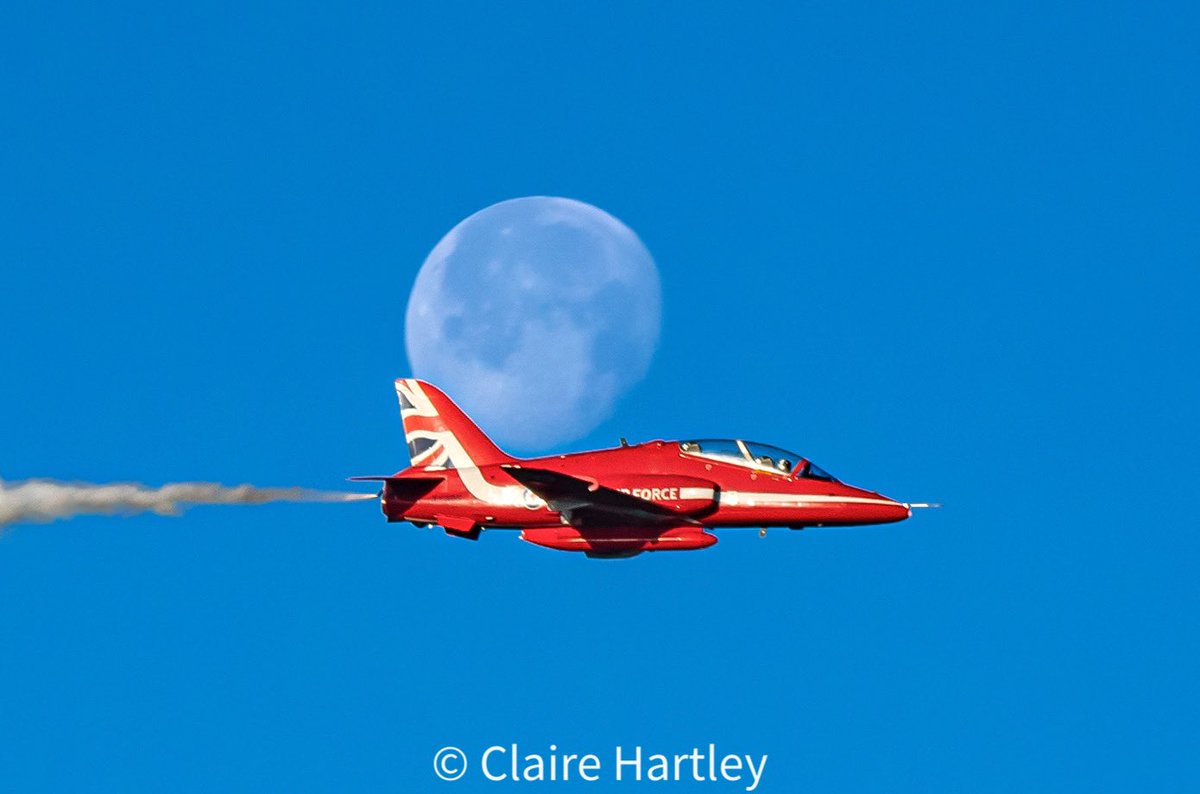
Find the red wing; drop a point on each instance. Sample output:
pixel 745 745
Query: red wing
pixel 591 504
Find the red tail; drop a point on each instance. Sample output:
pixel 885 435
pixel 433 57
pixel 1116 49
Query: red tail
pixel 438 433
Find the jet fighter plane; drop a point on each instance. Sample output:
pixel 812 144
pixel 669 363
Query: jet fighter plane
pixel 619 502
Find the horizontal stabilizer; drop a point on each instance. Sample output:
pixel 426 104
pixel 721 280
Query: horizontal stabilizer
pixel 403 488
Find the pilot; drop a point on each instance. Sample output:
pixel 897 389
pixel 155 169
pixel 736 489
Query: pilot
pixel 784 465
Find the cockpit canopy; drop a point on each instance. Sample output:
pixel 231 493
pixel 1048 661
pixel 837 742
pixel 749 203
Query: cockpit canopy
pixel 754 455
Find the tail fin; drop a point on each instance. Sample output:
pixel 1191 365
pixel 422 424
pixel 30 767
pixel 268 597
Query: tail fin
pixel 438 433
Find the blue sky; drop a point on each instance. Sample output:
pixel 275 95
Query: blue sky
pixel 948 252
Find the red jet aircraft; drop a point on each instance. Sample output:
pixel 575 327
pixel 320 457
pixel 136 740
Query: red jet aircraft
pixel 656 496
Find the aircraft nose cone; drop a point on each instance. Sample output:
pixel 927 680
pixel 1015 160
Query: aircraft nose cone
pixel 885 510
pixel 895 511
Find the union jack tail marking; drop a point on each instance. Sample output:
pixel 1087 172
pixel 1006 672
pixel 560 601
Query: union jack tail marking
pixel 438 433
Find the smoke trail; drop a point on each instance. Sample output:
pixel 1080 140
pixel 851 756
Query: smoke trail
pixel 50 500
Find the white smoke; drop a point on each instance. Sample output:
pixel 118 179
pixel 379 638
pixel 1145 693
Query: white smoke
pixel 39 501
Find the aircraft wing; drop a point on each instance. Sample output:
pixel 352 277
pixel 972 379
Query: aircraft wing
pixel 591 503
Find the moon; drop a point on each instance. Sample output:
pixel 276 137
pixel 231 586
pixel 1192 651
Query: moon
pixel 535 315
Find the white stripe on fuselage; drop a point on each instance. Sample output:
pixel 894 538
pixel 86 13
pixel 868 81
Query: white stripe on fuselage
pixel 748 499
